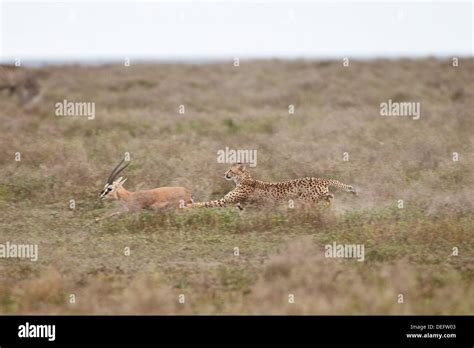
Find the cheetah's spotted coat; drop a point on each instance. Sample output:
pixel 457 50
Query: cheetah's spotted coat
pixel 249 190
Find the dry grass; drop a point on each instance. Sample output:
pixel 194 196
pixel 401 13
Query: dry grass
pixel 337 110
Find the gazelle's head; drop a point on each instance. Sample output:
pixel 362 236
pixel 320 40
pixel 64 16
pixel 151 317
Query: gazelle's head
pixel 237 172
pixel 113 183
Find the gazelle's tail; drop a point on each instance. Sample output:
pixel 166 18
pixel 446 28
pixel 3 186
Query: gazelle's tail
pixel 340 185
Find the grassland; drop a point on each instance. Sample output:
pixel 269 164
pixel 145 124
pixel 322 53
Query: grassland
pixel 409 251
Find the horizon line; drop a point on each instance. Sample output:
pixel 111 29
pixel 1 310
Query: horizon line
pixel 221 59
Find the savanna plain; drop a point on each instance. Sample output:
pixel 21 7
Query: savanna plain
pixel 423 250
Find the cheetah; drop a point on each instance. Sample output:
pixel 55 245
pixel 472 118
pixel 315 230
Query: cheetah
pixel 249 190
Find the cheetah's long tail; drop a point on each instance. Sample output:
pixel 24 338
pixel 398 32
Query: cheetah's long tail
pixel 340 185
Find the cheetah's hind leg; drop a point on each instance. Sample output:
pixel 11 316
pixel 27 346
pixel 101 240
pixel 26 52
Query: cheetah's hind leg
pixel 328 197
pixel 325 200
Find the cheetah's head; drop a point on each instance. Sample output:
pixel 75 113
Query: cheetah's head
pixel 237 172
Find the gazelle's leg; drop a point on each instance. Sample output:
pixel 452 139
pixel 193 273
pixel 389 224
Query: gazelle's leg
pixel 108 216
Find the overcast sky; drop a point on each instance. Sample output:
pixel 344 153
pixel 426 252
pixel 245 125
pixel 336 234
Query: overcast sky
pixel 45 30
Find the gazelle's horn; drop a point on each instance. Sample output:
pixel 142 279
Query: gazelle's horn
pixel 115 172
pixel 119 171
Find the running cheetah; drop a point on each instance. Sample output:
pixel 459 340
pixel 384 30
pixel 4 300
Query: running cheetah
pixel 249 190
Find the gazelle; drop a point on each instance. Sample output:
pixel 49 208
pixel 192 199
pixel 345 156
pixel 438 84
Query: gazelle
pixel 162 197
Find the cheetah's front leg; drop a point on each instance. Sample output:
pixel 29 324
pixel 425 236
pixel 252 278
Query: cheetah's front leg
pixel 232 197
